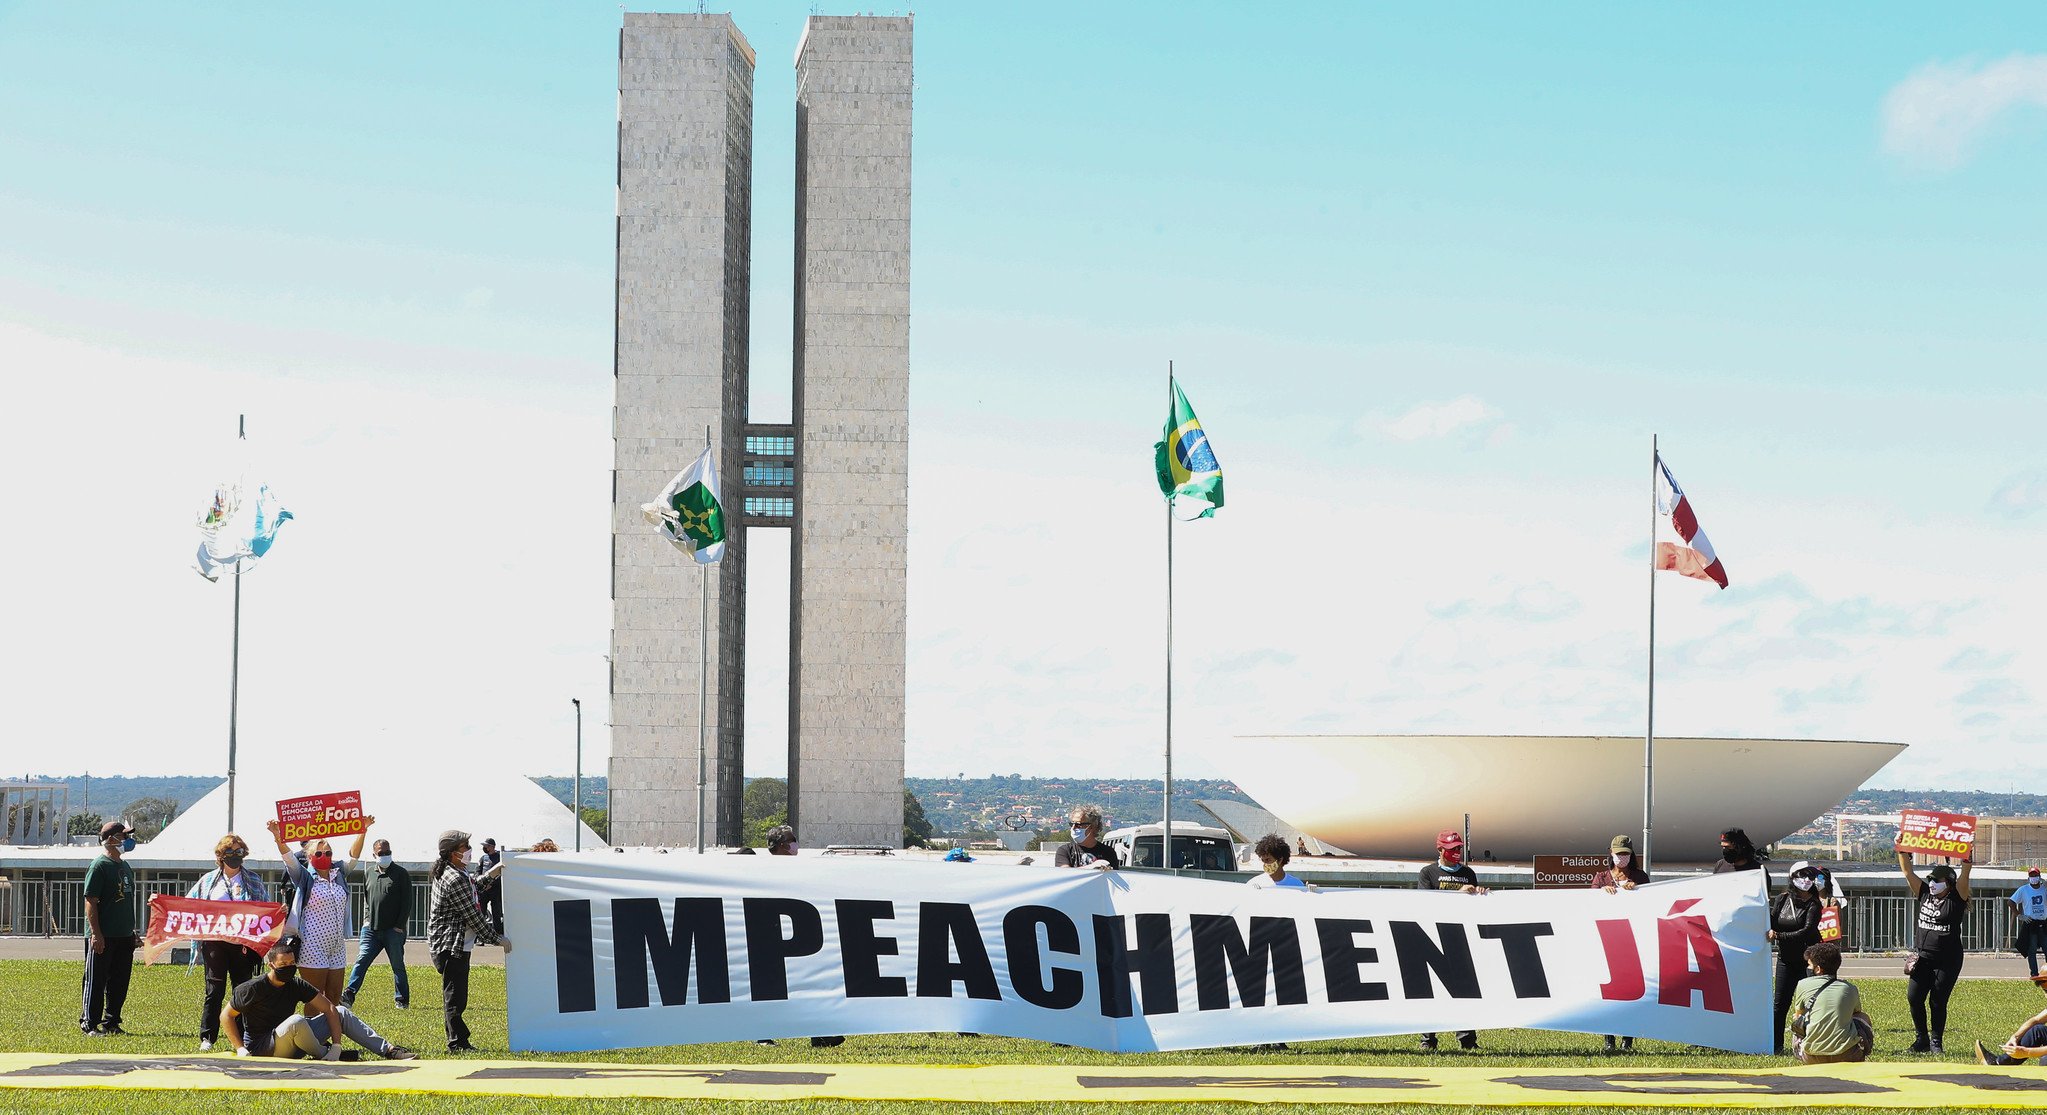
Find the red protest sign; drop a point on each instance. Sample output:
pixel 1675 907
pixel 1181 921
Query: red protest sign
pixel 1942 835
pixel 320 816
pixel 1830 923
pixel 171 919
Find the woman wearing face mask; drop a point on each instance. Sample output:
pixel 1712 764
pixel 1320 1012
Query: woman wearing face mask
pixel 228 965
pixel 322 902
pixel 1621 874
pixel 1738 853
pixel 1795 926
pixel 1936 963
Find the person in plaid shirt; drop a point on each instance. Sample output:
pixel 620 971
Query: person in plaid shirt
pixel 454 925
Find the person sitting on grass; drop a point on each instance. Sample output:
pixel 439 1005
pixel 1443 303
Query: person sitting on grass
pixel 2026 1042
pixel 1829 1025
pixel 261 1020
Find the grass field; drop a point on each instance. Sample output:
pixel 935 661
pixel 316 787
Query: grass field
pixel 39 1011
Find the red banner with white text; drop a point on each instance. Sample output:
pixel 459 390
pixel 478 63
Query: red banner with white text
pixel 171 919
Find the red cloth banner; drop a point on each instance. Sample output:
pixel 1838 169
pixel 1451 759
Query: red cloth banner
pixel 1941 835
pixel 321 816
pixel 172 919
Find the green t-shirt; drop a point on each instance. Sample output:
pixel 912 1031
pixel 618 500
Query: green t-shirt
pixel 112 881
pixel 1830 1019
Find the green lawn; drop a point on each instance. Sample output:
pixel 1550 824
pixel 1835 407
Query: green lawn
pixel 39 1010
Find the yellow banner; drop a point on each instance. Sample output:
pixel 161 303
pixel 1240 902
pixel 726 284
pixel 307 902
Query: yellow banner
pixel 1871 1085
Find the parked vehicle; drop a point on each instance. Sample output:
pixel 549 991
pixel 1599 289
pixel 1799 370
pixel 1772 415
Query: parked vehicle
pixel 1202 847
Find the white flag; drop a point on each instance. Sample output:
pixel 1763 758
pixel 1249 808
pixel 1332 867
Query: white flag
pixel 688 512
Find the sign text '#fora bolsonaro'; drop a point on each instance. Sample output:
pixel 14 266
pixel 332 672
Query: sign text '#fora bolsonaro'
pixel 319 817
pixel 632 954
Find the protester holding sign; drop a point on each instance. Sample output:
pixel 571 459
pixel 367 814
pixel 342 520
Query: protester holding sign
pixel 455 925
pixel 1795 926
pixel 1621 875
pixel 2029 907
pixel 321 907
pixel 1450 873
pixel 1936 962
pixel 228 964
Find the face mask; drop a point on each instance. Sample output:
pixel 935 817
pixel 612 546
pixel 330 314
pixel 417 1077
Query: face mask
pixel 1802 884
pixel 1730 853
pixel 384 861
pixel 1621 859
pixel 2035 884
pixel 1080 832
pixel 323 863
pixel 1451 856
pixel 234 859
pixel 1936 888
pixel 286 973
pixel 128 845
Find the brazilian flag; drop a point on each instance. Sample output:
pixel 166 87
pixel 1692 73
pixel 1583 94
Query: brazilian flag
pixel 1186 465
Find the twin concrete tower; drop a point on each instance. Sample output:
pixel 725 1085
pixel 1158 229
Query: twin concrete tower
pixel 836 477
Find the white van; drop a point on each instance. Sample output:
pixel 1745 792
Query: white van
pixel 1201 847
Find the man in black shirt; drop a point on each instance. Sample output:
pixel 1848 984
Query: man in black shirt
pixel 383 927
pixel 1086 850
pixel 260 1016
pixel 1450 873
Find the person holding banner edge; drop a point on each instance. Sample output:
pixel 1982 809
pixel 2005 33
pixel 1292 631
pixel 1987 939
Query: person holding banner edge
pixel 455 925
pixel 1450 873
pixel 228 965
pixel 1936 963
pixel 1795 926
pixel 1622 875
pixel 321 913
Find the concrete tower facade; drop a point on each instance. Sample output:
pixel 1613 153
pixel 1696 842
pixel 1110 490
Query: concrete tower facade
pixel 836 476
pixel 849 550
pixel 685 196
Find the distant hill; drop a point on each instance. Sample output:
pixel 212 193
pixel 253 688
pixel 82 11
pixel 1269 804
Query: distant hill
pixel 595 787
pixel 106 796
pixel 1976 803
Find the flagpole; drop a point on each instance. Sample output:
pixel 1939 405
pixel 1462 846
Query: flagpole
pixel 234 670
pixel 703 672
pixel 1166 825
pixel 1649 725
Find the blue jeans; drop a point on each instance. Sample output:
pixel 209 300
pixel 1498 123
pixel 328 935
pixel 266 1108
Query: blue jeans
pixel 390 942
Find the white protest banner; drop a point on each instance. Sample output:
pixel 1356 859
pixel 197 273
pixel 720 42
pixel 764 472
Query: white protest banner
pixel 623 951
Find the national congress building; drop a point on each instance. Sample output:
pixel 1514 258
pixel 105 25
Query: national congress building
pixel 835 477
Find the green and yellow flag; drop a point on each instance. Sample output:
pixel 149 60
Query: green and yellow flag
pixel 1186 465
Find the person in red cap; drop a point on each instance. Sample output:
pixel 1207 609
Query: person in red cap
pixel 2026 1042
pixel 2029 909
pixel 1450 873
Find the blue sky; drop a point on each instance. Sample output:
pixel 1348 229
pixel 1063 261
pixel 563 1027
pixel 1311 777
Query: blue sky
pixel 1432 278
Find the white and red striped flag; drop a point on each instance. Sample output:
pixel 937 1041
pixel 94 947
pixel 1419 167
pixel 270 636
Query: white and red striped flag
pixel 1688 552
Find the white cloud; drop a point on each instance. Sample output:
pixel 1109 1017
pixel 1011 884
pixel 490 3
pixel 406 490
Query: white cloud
pixel 1466 413
pixel 2021 495
pixel 1938 116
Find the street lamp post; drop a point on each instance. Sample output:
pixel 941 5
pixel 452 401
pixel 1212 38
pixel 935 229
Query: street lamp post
pixel 576 790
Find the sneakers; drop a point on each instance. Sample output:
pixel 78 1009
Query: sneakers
pixel 112 1030
pixel 1428 1043
pixel 333 1052
pixel 207 1046
pixel 1984 1056
pixel 1935 1048
pixel 346 1000
pixel 1611 1045
pixel 764 1041
pixel 399 1053
pixel 401 1004
pixel 1467 1041
pixel 1920 1044
pixel 1627 1045
pixel 827 1042
pixel 460 1047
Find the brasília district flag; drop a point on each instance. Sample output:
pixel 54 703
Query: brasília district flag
pixel 1186 465
pixel 237 528
pixel 1689 553
pixel 689 513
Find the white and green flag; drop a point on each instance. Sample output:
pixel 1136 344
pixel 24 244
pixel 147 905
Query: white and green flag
pixel 689 513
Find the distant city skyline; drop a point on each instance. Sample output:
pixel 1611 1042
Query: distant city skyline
pixel 1431 279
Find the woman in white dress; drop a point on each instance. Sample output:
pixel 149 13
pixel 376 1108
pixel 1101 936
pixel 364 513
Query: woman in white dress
pixel 322 907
